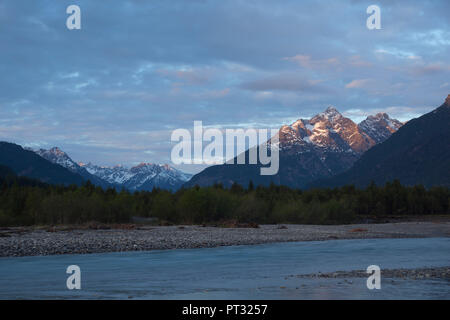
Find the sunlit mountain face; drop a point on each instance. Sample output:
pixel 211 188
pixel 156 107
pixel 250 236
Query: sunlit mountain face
pixel 310 149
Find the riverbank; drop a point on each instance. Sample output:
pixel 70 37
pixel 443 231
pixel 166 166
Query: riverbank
pixel 65 240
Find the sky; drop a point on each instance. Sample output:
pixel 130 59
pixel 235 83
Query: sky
pixel 113 91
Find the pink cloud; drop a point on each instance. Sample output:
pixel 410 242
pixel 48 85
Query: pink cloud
pixel 306 61
pixel 357 61
pixel 357 83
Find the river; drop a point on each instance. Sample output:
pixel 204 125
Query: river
pixel 234 272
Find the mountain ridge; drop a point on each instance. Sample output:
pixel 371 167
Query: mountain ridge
pixel 144 176
pixel 310 149
pixel 57 156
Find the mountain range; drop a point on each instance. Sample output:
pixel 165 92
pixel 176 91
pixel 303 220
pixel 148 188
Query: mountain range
pixel 59 157
pixel 54 166
pixel 326 150
pixel 418 153
pixel 309 150
pixel 144 176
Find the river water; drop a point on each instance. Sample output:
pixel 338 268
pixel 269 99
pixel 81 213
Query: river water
pixel 235 272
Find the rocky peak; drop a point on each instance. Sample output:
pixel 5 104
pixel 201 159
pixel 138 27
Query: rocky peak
pixel 56 155
pixel 143 165
pixel 380 115
pixel 447 101
pixel 332 111
pixel 331 114
pixel 330 130
pixel 380 126
pixel 57 150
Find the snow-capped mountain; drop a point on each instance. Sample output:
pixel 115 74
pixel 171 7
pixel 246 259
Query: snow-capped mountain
pixel 310 149
pixel 380 126
pixel 334 140
pixel 329 131
pixel 144 176
pixel 114 175
pixel 57 156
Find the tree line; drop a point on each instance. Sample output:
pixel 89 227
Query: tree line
pixel 28 202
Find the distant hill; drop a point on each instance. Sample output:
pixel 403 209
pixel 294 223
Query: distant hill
pixel 418 153
pixel 28 164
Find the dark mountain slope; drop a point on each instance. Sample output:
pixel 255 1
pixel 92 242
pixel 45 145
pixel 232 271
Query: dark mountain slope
pixel 27 163
pixel 6 172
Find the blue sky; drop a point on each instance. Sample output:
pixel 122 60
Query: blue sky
pixel 113 91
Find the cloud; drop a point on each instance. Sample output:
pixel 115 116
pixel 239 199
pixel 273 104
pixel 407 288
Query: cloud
pixel 284 82
pixel 433 38
pixel 431 69
pixel 402 113
pixel 357 61
pixel 358 83
pixel 307 62
pixel 397 53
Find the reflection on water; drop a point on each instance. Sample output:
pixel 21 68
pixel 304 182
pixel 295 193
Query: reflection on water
pixel 237 272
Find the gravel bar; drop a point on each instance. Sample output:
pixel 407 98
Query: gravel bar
pixel 412 274
pixel 35 241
